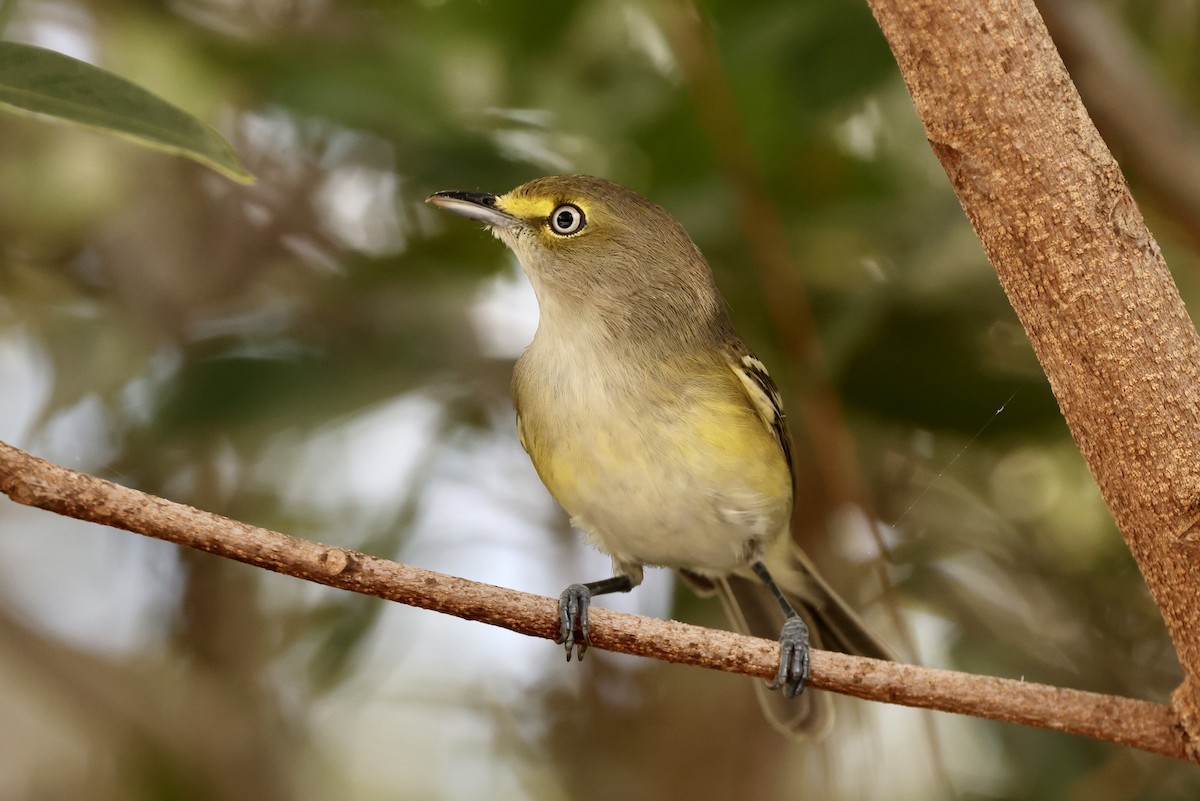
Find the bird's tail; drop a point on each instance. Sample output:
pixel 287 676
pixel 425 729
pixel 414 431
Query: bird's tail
pixel 832 625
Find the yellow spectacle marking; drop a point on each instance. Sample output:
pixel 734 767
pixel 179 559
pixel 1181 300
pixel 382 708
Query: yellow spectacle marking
pixel 525 207
pixel 533 208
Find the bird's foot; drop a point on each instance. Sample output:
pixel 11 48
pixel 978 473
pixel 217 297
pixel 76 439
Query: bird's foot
pixel 573 613
pixel 793 658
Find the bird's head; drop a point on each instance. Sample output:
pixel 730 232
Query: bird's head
pixel 588 244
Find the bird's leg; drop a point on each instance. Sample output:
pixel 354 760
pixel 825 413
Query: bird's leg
pixel 793 640
pixel 573 611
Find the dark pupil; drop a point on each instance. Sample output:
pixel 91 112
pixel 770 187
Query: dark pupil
pixel 565 219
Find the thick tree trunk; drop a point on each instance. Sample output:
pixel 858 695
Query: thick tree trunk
pixel 1082 271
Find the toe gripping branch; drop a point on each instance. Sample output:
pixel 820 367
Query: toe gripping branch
pixel 573 633
pixel 793 641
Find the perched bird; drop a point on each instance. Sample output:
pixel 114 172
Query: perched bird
pixel 654 426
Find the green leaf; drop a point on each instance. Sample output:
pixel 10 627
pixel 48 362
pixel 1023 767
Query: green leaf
pixel 39 82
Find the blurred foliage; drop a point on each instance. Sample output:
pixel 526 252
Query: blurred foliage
pixel 49 85
pixel 323 354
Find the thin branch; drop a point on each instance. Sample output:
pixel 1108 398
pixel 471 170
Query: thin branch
pixel 29 480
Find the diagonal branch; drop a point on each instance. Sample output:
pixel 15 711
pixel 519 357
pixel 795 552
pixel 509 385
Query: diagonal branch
pixel 29 480
pixel 1153 136
pixel 1082 271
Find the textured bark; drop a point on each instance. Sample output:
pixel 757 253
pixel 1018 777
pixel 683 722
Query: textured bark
pixel 1154 138
pixel 35 482
pixel 1084 274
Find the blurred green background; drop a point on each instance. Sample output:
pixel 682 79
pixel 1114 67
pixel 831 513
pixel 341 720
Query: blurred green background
pixel 323 354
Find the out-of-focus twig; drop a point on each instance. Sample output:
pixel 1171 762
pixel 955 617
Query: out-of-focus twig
pixel 826 431
pixel 1151 135
pixel 35 482
pixel 824 423
pixel 133 702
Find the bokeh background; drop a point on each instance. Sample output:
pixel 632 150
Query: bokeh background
pixel 323 354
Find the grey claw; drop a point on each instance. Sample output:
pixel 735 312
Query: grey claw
pixel 573 631
pixel 793 658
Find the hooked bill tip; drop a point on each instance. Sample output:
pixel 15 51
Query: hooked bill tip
pixel 479 206
pixel 478 198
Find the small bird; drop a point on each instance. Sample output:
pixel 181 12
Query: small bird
pixel 654 426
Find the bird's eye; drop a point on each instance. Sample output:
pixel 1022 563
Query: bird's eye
pixel 567 219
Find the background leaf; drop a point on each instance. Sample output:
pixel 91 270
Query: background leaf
pixel 37 81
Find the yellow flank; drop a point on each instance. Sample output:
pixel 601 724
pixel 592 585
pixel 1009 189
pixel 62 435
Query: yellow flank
pixel 680 471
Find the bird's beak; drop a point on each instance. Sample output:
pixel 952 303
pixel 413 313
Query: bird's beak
pixel 474 206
